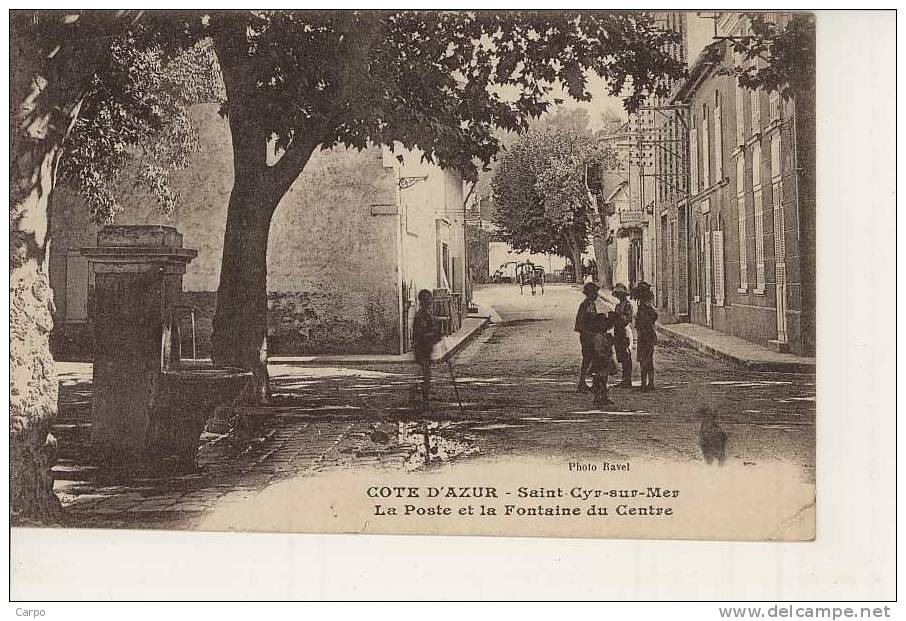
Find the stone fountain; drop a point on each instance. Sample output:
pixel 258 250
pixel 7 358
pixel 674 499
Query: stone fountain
pixel 148 408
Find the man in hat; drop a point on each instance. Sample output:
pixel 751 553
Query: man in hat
pixel 586 320
pixel 622 319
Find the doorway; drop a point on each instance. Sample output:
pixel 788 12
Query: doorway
pixel 636 272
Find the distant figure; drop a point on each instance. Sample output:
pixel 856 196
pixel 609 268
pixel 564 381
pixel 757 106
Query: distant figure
pixel 603 364
pixel 711 438
pixel 645 319
pixel 425 335
pixel 585 326
pixel 570 270
pixel 623 318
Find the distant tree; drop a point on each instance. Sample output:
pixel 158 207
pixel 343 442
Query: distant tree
pixel 611 120
pixel 576 119
pixel 439 81
pixel 540 194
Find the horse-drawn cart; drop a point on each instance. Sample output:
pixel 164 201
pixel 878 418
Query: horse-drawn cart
pixel 531 275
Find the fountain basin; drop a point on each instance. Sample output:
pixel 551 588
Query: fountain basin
pixel 185 398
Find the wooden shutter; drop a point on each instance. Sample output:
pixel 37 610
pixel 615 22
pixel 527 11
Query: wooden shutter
pixel 774 105
pixel 743 257
pixel 756 111
pixel 693 159
pixel 718 146
pixel 759 241
pixel 717 250
pixel 706 151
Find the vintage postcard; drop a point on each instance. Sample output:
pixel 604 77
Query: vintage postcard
pixel 505 273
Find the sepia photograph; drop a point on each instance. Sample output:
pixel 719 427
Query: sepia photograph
pixel 273 266
pixel 533 273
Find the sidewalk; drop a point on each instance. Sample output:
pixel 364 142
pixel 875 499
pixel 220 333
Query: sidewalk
pixel 733 349
pixel 739 352
pixel 450 345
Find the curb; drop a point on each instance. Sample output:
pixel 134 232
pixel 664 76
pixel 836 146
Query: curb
pixel 407 358
pixel 468 338
pixel 740 363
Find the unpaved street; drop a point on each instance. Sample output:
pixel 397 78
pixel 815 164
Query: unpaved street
pixel 516 384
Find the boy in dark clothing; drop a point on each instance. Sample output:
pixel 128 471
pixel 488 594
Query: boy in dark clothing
pixel 425 335
pixel 585 326
pixel 647 337
pixel 623 312
pixel 603 364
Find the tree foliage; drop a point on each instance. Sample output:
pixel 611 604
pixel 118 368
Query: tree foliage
pixel 134 128
pixel 540 193
pixel 441 81
pixel 778 55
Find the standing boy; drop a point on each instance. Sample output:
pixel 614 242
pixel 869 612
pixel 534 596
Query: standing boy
pixel 425 335
pixel 603 364
pixel 647 337
pixel 623 318
pixel 585 326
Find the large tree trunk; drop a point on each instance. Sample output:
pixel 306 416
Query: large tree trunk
pixel 43 107
pixel 576 257
pixel 605 272
pixel 33 381
pixel 605 269
pixel 240 321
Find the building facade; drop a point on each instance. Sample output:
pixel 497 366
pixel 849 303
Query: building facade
pixel 649 174
pixel 352 242
pixel 626 205
pixel 738 248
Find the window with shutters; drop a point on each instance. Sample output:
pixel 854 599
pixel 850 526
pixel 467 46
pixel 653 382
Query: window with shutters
pixel 693 158
pixel 706 148
pixel 756 111
pixel 718 140
pixel 741 215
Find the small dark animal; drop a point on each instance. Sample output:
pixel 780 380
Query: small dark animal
pixel 711 438
pixel 379 436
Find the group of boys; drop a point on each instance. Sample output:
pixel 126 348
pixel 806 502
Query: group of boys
pixel 601 335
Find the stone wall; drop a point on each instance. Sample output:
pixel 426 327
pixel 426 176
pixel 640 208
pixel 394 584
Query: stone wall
pixel 335 264
pixel 333 258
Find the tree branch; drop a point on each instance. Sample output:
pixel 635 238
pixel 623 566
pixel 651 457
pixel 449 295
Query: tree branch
pixel 294 159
